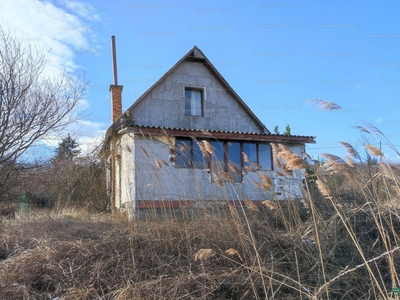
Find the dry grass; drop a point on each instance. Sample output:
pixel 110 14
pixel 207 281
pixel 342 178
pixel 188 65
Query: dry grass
pixel 278 251
pixel 341 241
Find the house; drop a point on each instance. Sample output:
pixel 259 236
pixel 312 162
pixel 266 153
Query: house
pixel 182 143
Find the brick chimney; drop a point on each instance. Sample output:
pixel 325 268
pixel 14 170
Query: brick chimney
pixel 115 89
pixel 116 101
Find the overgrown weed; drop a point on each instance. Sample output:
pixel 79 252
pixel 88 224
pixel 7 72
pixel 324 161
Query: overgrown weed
pixel 340 241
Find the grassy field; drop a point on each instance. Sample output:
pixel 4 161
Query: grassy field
pixel 341 241
pixel 343 245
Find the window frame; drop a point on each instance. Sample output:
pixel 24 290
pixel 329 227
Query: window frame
pixel 193 162
pixel 202 91
pixel 208 161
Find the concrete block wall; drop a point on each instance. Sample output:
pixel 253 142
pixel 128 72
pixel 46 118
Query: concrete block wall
pixel 165 104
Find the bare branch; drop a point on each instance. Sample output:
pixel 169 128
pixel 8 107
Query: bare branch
pixel 32 104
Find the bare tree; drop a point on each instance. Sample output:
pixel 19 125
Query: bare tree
pixel 32 104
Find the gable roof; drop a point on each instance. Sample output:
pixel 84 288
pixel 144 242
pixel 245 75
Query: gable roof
pixel 195 54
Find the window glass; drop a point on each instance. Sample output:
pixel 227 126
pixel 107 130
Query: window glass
pixel 193 103
pixel 199 161
pixel 182 153
pixel 234 169
pixel 250 150
pixel 265 158
pixel 217 159
pixel 189 154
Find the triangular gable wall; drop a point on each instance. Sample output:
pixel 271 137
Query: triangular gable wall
pixel 163 103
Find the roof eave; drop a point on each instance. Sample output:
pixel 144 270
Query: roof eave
pixel 204 134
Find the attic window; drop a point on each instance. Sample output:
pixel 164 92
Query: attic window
pixel 193 102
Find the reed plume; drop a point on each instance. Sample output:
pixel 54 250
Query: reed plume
pixel 250 169
pixel 325 105
pixel 233 168
pixel 204 254
pixel 216 179
pixel 234 252
pixel 350 149
pixel 158 164
pixel 293 161
pixel 270 204
pixel 226 176
pixel 203 149
pixel 324 190
pixel 183 147
pixel 374 150
pixel 267 183
pixel 144 151
pixel 258 167
pixel 387 171
pixel 350 161
pixel 208 147
pixel 250 205
pixel 275 149
pixel 169 141
pixel 304 202
pixel 246 158
pixel 338 165
pixel 257 184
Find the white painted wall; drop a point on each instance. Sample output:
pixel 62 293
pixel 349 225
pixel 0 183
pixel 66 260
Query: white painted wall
pixel 127 172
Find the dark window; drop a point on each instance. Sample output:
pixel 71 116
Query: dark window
pixel 250 149
pixel 234 161
pixel 193 102
pixel 183 156
pixel 226 157
pixel 189 155
pixel 199 161
pixel 218 158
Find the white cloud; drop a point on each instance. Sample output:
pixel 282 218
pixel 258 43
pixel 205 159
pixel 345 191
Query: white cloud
pixel 88 134
pixel 84 128
pixel 83 105
pixel 89 145
pixel 83 10
pixel 48 27
pixel 59 28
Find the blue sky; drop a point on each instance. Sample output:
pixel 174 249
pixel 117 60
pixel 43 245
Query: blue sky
pixel 275 54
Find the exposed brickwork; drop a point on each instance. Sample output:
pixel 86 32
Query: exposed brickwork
pixel 116 101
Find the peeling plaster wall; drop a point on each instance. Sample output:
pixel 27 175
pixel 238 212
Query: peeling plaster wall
pixel 165 104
